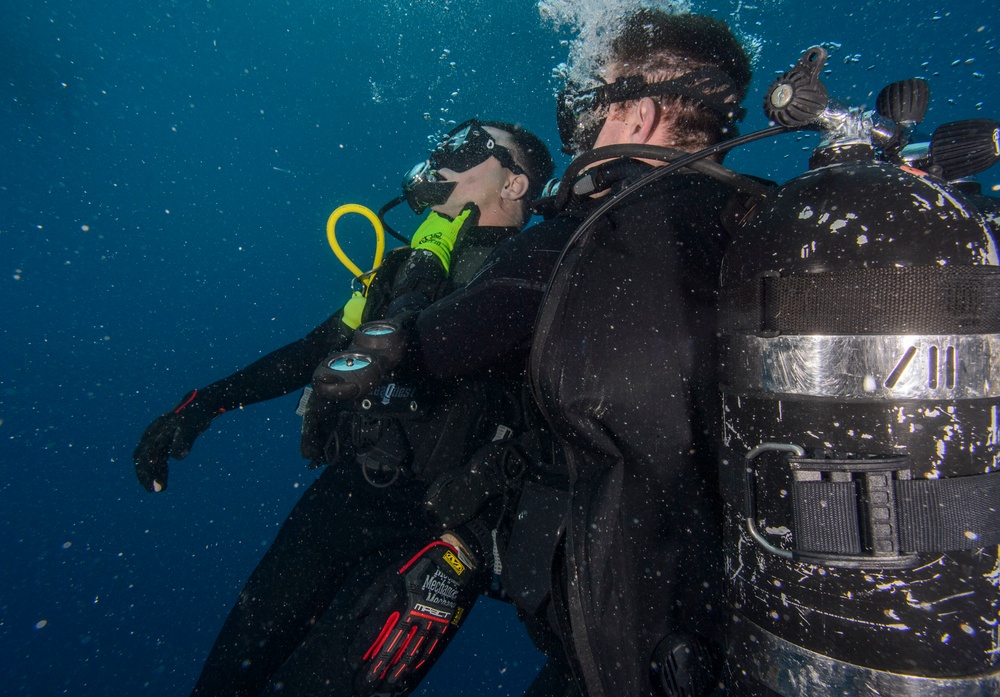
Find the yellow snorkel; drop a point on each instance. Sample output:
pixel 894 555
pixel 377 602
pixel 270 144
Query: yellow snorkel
pixel 422 188
pixel 355 306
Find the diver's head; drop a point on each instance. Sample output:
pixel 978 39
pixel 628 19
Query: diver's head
pixel 498 166
pixel 674 80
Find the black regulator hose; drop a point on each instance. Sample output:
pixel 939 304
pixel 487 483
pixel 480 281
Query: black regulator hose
pixel 695 160
pixel 381 216
pixel 664 154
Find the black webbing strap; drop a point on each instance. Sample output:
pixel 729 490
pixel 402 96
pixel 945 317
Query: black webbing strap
pixel 907 300
pixel 896 516
pixel 826 517
pixel 949 514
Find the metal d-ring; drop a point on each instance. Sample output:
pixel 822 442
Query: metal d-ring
pixel 750 500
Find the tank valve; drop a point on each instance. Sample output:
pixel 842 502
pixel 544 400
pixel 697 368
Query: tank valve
pixel 798 98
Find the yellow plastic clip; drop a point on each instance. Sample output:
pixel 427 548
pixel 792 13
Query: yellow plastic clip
pixel 331 237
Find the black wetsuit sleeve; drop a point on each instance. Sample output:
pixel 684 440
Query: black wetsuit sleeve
pixel 491 319
pixel 282 371
pixel 290 367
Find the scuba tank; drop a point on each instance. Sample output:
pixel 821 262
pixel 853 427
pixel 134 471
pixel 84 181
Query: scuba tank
pixel 860 330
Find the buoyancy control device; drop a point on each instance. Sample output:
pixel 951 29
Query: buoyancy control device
pixel 860 329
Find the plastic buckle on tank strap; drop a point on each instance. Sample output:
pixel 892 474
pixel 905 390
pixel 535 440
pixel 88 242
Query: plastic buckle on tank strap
pixel 845 511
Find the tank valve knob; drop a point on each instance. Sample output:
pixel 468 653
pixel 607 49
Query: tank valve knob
pixel 904 102
pixel 964 148
pixel 798 98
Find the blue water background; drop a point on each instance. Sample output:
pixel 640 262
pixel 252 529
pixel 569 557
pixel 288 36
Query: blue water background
pixel 166 169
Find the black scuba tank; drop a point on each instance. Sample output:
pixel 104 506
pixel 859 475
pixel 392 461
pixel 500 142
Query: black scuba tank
pixel 860 381
pixel 861 394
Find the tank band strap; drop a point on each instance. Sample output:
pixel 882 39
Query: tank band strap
pixel 907 300
pixel 878 515
pixel 958 513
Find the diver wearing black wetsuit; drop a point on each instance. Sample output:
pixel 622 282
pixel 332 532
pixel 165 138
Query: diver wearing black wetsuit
pixel 634 422
pixel 293 620
pixel 323 590
pixel 627 379
pixel 615 546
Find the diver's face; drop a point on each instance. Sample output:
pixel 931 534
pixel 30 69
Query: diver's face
pixel 481 184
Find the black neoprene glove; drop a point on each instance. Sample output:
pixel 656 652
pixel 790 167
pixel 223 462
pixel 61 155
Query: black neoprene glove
pixel 409 616
pixel 171 435
pixel 457 497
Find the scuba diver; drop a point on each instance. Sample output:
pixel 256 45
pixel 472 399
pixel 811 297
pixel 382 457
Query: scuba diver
pixel 613 549
pixel 307 622
pixel 850 320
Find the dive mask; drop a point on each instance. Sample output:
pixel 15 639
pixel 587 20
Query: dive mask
pixel 470 144
pixel 580 114
pixel 464 147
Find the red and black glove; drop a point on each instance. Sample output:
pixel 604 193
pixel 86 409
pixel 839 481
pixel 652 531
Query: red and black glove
pixel 413 614
pixel 171 435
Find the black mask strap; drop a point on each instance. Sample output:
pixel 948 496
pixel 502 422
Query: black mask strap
pixel 709 86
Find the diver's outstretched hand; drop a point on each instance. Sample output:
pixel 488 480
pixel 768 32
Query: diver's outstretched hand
pixel 171 435
pixel 409 616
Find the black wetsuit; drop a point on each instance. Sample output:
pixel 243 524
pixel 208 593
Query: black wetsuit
pixel 623 366
pixel 294 621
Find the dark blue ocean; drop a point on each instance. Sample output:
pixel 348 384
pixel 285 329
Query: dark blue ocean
pixel 166 171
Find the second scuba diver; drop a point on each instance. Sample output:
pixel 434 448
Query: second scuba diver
pixel 613 553
pixel 310 619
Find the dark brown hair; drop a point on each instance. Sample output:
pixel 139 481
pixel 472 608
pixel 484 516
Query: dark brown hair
pixel 661 46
